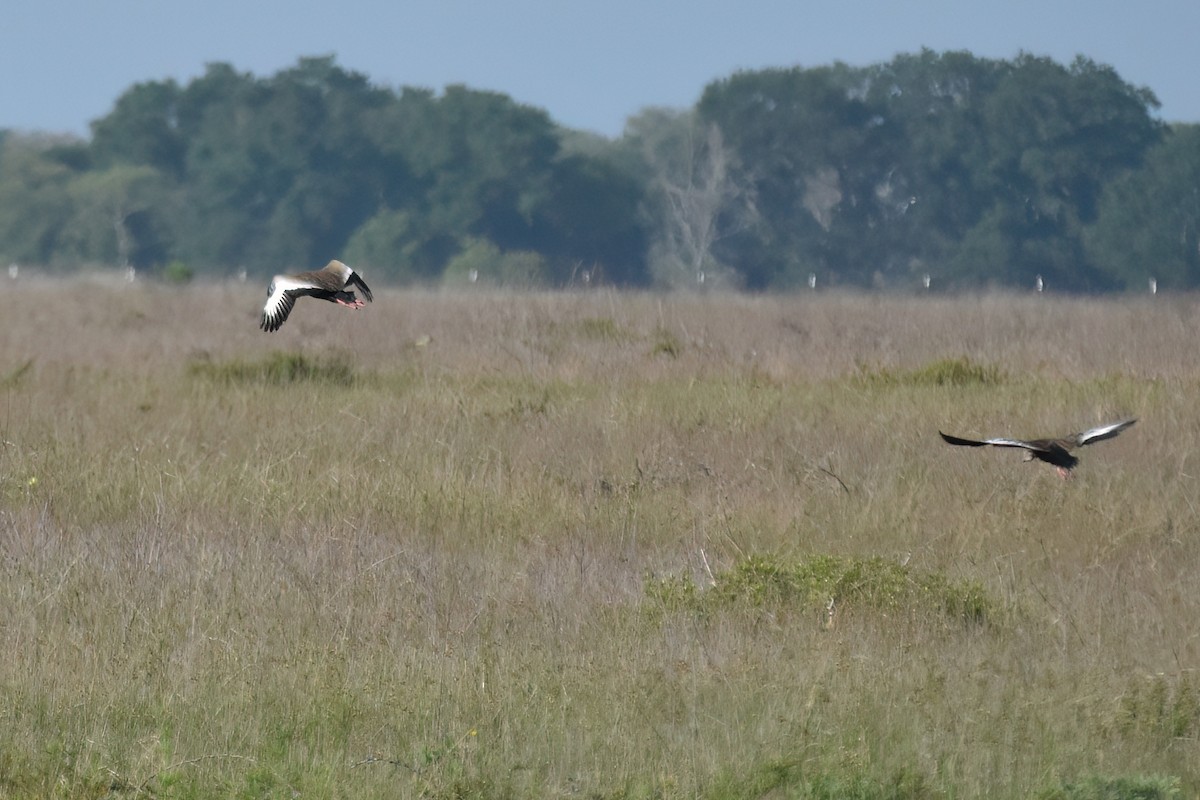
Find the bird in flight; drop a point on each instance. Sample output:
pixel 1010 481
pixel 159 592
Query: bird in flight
pixel 325 284
pixel 1056 452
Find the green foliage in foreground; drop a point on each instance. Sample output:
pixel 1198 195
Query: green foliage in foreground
pixel 1153 787
pixel 824 582
pixel 943 372
pixel 178 273
pixel 1160 707
pixel 603 329
pixel 790 780
pixel 278 369
pixel 13 377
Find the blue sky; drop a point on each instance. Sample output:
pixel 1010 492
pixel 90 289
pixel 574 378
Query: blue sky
pixel 589 64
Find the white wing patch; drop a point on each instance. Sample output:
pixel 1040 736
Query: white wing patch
pixel 1009 443
pixel 280 299
pixel 1103 432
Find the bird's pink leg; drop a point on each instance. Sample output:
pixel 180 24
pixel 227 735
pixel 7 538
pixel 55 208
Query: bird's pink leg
pixel 1064 473
pixel 355 305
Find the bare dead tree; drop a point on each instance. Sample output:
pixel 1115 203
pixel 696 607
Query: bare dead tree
pixel 700 199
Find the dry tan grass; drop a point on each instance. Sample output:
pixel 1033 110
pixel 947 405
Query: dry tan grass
pixel 434 579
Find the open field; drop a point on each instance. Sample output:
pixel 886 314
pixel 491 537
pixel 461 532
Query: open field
pixel 551 545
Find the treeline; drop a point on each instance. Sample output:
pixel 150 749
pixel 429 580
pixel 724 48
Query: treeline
pixel 973 172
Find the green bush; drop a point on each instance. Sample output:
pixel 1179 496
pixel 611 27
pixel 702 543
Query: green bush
pixel 483 262
pixel 603 329
pixel 812 582
pixel 278 368
pixel 13 378
pixel 666 344
pixel 177 273
pixel 1153 787
pixel 943 372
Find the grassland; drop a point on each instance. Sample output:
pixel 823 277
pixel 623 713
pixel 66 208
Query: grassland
pixel 558 545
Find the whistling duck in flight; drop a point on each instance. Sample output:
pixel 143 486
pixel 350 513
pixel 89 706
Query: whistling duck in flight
pixel 325 284
pixel 1053 451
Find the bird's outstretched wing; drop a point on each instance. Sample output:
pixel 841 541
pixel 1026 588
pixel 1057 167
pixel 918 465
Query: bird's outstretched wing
pixel 1103 432
pixel 281 296
pixel 999 442
pixel 961 442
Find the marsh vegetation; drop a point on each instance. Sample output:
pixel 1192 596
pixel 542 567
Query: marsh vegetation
pixel 585 544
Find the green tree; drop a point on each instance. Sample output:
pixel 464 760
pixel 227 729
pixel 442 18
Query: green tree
pixel 142 128
pixel 397 244
pixel 1148 225
pixel 982 171
pixel 221 206
pixel 482 262
pixel 35 204
pixel 977 171
pixel 118 217
pixel 1054 137
pixel 486 161
pixel 279 169
pixel 930 189
pixel 476 166
pixel 802 140
pixel 588 220
pixel 293 169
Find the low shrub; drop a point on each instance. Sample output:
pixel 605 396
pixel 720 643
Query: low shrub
pixel 278 368
pixel 826 582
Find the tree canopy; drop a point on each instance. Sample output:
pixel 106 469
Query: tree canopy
pixel 977 172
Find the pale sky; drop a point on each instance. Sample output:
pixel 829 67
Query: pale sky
pixel 591 65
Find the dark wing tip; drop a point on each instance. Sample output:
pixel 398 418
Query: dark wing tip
pixel 357 280
pixel 960 442
pixel 272 320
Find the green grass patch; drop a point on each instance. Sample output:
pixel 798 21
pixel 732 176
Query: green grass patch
pixel 666 344
pixel 790 779
pixel 811 583
pixel 278 368
pixel 943 372
pixel 13 377
pixel 602 329
pixel 178 273
pixel 1161 706
pixel 1152 787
